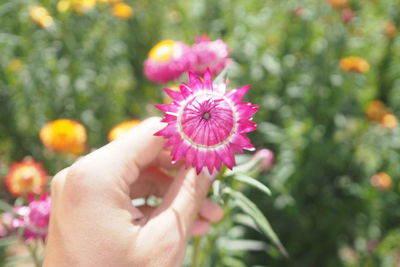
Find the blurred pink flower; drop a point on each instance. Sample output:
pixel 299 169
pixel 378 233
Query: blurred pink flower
pixel 266 158
pixel 207 124
pixel 167 61
pixel 34 218
pixel 347 15
pixel 209 54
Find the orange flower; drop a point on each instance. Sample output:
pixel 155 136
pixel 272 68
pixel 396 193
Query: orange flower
pixel 122 11
pixel 390 29
pixel 27 176
pixel 64 135
pixel 376 110
pixel 338 3
pixel 40 16
pixel 389 121
pixel 121 128
pixel 382 181
pixel 354 64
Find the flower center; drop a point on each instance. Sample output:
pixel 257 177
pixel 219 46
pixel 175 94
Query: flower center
pixel 206 115
pixel 207 120
pixel 162 51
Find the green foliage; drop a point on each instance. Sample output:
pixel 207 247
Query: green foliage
pixel 89 68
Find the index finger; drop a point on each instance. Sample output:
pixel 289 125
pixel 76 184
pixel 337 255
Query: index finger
pixel 138 146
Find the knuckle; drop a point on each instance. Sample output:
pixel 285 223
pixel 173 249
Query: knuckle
pixel 58 182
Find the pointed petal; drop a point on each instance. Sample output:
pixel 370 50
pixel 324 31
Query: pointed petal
pixel 190 156
pixel 169 118
pixel 226 156
pixel 200 159
pixel 246 126
pixel 185 90
pixel 179 151
pixel 174 94
pixel 246 110
pixel 167 108
pixel 208 80
pixel 168 131
pixel 243 141
pixel 237 94
pixel 235 148
pixel 194 82
pixel 210 160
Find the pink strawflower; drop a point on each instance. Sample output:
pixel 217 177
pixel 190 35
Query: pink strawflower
pixel 266 158
pixel 38 218
pixel 33 219
pixel 167 61
pixel 209 54
pixel 347 15
pixel 207 124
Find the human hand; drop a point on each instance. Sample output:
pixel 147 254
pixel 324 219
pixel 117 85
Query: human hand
pixel 93 221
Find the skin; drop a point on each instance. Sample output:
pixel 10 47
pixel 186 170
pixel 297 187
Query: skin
pixel 93 221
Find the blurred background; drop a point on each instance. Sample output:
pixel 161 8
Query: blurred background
pixel 326 75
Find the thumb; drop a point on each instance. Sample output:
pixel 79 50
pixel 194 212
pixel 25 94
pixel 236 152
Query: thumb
pixel 185 196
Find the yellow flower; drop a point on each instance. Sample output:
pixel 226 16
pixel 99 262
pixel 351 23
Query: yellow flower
pixel 40 16
pixel 382 181
pixel 78 6
pixel 63 5
pixel 27 176
pixel 109 1
pixel 354 64
pixel 338 3
pixel 15 65
pixel 64 135
pixel 390 29
pixel 121 128
pixel 122 11
pixel 389 121
pixel 162 51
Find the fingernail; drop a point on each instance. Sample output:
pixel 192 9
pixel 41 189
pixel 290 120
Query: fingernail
pixel 211 176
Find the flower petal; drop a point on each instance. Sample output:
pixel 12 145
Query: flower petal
pixel 237 94
pixel 174 94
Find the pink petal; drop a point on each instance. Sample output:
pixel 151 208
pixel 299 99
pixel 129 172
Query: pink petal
pixel 210 160
pixel 200 160
pixel 237 94
pixel 167 108
pixel 246 126
pixel 243 141
pixel 169 130
pixel 185 90
pixel 226 156
pixel 169 118
pixel 208 80
pixel 194 82
pixel 179 151
pixel 174 94
pixel 246 110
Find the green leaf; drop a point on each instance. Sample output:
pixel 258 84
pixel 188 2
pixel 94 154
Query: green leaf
pixel 4 206
pixel 6 241
pixel 252 182
pixel 251 209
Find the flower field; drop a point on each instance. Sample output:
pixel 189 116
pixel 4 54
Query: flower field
pixel 315 179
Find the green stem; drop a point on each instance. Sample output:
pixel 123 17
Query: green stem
pixel 33 251
pixel 196 252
